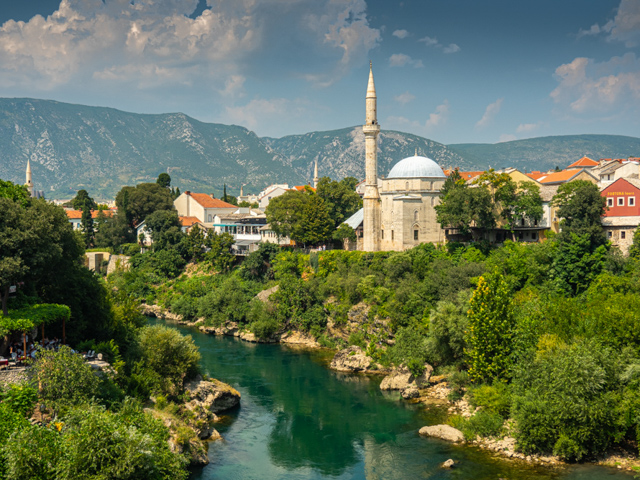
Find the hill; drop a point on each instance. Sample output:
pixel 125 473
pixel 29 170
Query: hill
pixel 545 153
pixel 102 149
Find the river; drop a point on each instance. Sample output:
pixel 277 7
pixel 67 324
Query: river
pixel 300 420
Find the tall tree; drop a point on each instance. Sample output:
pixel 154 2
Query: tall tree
pixel 165 228
pixel 139 201
pixel 82 200
pixel 86 224
pixel 10 190
pixel 164 180
pixel 581 207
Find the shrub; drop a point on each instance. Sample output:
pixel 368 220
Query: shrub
pixel 63 378
pixel 33 452
pixel 168 358
pixel 565 401
pixel 410 349
pixel 484 424
pixel 494 398
pixel 447 326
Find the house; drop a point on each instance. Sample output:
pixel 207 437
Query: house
pixel 269 236
pixel 75 216
pixel 272 191
pixel 143 234
pixel 189 222
pixel 623 212
pixel 202 206
pixel 584 162
pixel 244 225
pixel 612 170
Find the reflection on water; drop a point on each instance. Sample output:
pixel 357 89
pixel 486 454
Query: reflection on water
pixel 299 420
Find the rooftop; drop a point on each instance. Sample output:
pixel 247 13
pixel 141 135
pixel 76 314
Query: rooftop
pixel 207 201
pixel 584 162
pixel 416 167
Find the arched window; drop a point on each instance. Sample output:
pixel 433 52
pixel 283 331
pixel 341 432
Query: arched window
pixel 432 199
pixel 415 216
pixel 406 185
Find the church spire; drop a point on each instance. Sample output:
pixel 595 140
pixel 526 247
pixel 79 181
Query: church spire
pixel 29 183
pixel 315 175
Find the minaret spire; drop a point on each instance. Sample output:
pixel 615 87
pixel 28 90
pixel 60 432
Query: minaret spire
pixel 29 183
pixel 371 200
pixel 315 175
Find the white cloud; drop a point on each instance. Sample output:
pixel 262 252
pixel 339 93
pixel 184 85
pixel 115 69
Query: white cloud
pixel 400 33
pixel 433 42
pixel 489 114
pixel 153 43
pixel 527 127
pixel 507 137
pixel 625 26
pixel 260 112
pixel 400 60
pixel 404 98
pixel 452 48
pixel 436 119
pixel 586 86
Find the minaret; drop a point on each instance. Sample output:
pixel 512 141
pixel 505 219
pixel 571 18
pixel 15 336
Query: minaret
pixel 315 175
pixel 29 183
pixel 371 199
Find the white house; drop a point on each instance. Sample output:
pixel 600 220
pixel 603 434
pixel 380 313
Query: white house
pixel 202 206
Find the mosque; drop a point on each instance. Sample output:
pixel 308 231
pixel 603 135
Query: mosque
pixel 398 211
pixel 29 184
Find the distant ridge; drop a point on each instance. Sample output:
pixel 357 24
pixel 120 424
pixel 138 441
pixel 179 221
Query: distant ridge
pixel 101 149
pixel 545 153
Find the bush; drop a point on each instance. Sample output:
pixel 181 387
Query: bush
pixel 33 453
pixel 168 358
pixel 495 399
pixel 447 326
pixel 410 350
pixel 565 401
pixel 63 378
pixel 484 424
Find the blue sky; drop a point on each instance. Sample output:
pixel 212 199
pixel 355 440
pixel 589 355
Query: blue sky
pixel 455 71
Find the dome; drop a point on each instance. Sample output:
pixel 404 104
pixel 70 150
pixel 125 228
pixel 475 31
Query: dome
pixel 416 167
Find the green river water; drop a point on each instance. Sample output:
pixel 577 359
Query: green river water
pixel 300 420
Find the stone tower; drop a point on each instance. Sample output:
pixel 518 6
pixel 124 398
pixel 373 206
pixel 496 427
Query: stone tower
pixel 29 183
pixel 315 175
pixel 371 199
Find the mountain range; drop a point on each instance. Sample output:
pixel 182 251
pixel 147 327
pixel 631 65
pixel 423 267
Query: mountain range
pixel 101 149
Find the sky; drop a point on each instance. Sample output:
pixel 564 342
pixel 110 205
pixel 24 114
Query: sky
pixel 454 71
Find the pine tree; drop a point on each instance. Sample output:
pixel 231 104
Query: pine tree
pixel 86 223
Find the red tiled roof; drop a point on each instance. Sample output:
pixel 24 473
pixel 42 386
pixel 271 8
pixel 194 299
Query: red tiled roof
pixel 465 175
pixel 302 188
pixel 207 201
pixel 189 221
pixel 536 175
pixel 561 176
pixel 77 214
pixel 584 162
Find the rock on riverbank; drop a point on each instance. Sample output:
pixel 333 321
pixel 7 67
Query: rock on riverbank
pixel 409 385
pixel 354 359
pixel 443 432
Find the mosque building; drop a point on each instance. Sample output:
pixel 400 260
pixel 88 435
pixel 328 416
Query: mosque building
pixel 398 211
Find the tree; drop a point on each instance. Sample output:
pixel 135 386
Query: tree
pixel 194 243
pixel 113 231
pixel 164 180
pixel 344 233
pixel 18 193
pixel 634 249
pixel 37 242
pixel 86 224
pixel 581 207
pixel 512 201
pixel 168 358
pixel 301 216
pixel 219 254
pixel 341 198
pixel 491 324
pixel 165 228
pixel 139 201
pixel 82 200
pixel 257 266
pixel 464 207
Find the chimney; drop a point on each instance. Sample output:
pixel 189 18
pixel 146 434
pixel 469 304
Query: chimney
pixel 187 192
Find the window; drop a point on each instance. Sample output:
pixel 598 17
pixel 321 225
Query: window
pixel 522 221
pixel 609 202
pixel 209 218
pixel 382 234
pixel 609 234
pixel 621 201
pixel 632 201
pixel 534 236
pixel 432 198
pixel 623 235
pixel 415 234
pixel 415 216
pixel 535 222
pixel 391 234
pixel 406 185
